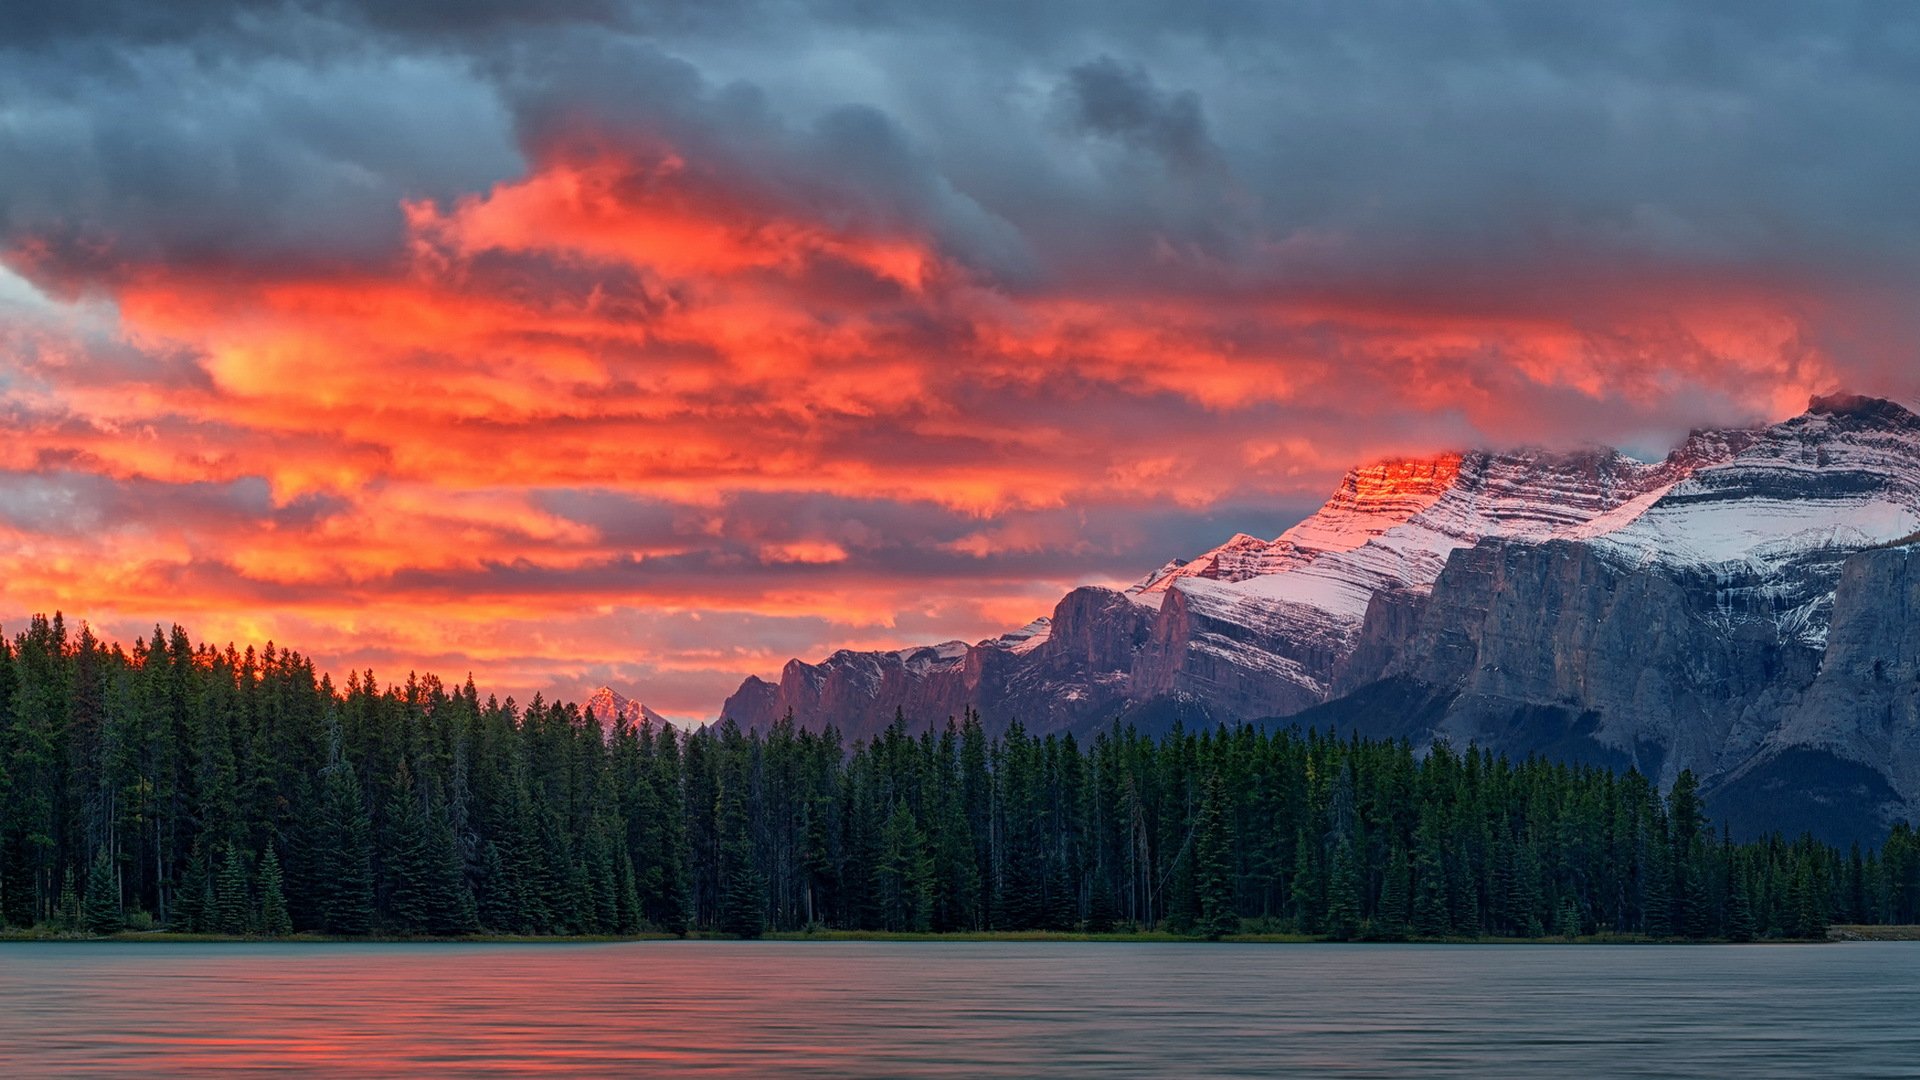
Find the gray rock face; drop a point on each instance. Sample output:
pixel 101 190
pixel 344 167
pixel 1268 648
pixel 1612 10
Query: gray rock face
pixel 1557 649
pixel 1845 753
pixel 1645 656
pixel 1073 675
pixel 1743 609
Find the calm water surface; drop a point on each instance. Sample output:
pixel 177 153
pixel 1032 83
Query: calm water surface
pixel 870 1009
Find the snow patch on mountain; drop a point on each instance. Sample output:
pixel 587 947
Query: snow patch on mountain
pixel 1760 518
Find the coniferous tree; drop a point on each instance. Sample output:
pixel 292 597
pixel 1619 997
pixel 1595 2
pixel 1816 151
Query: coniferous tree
pixel 742 888
pixel 345 856
pixel 493 898
pixel 1567 922
pixel 452 912
pixel 1740 924
pixel 409 860
pixel 1213 869
pixel 233 903
pixel 1343 893
pixel 103 914
pixel 627 897
pixel 151 779
pixel 1396 898
pixel 905 874
pixel 274 920
pixel 1100 907
pixel 66 911
pixel 1430 912
pixel 191 908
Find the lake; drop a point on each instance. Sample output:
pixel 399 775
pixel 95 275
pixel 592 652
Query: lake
pixel 970 1009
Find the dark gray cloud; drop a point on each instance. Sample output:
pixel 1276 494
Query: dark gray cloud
pixel 1438 150
pixel 1120 101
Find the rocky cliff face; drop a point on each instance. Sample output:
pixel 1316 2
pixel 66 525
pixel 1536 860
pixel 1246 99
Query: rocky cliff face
pixel 1053 674
pixel 1740 608
pixel 1752 623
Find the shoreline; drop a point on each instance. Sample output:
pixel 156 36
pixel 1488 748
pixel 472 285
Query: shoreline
pixel 1837 934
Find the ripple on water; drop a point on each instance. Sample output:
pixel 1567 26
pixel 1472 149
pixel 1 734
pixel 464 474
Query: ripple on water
pixel 974 1009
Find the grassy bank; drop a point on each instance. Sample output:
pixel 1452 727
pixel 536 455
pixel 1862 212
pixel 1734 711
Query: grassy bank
pixel 1874 933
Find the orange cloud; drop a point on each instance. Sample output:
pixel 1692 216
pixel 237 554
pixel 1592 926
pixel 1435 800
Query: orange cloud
pixel 621 322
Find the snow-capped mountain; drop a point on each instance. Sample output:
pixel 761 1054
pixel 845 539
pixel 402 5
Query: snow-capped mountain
pixel 615 709
pixel 1666 615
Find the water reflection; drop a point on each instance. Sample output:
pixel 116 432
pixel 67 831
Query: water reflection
pixel 963 1009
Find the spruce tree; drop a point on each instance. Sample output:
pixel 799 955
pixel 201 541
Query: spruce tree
pixel 1391 923
pixel 1740 925
pixel 1100 907
pixel 190 909
pixel 409 862
pixel 233 902
pixel 1213 864
pixel 345 856
pixel 66 912
pixel 274 921
pixel 742 887
pixel 103 914
pixel 1431 915
pixel 1343 893
pixel 495 902
pixel 627 909
pixel 453 912
pixel 1566 922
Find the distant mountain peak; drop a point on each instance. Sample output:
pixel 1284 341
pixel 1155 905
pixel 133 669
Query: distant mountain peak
pixel 615 709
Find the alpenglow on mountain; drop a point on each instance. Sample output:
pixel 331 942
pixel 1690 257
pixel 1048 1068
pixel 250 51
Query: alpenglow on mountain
pixel 1748 608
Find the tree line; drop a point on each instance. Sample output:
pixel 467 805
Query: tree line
pixel 191 788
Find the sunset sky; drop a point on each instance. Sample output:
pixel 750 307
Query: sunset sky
pixel 587 342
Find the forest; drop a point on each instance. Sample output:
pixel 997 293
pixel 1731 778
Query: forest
pixel 183 787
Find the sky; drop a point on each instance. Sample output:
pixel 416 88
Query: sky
pixel 570 342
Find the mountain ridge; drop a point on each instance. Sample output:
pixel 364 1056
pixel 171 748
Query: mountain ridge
pixel 1672 614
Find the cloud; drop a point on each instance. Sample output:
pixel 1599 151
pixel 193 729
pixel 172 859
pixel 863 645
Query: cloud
pixel 1107 98
pixel 597 341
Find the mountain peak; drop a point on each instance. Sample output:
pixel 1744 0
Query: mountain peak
pixel 1861 407
pixel 616 709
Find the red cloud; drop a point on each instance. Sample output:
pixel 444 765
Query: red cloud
pixel 623 321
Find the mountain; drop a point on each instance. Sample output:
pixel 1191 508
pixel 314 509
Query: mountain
pixel 615 709
pixel 1734 608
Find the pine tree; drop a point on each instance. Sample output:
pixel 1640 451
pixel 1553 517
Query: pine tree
pixel 905 873
pixel 1396 900
pixel 1309 884
pixel 1343 893
pixel 66 912
pixel 1213 864
pixel 1805 910
pixel 345 857
pixel 1566 922
pixel 1740 925
pixel 274 921
pixel 743 888
pixel 191 910
pixel 412 900
pixel 102 911
pixel 233 903
pixel 627 910
pixel 453 913
pixel 1431 915
pixel 194 782
pixel 1100 908
pixel 495 895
